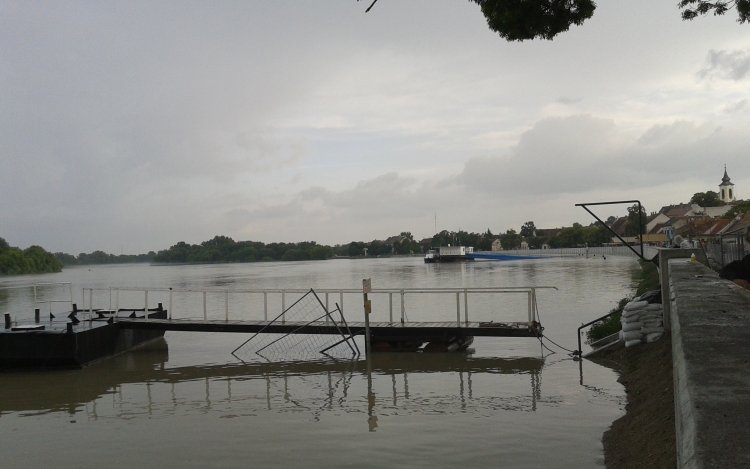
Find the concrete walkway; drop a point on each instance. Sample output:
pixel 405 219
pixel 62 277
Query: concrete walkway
pixel 710 321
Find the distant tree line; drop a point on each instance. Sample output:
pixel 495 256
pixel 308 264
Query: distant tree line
pixel 33 260
pixel 101 257
pixel 225 249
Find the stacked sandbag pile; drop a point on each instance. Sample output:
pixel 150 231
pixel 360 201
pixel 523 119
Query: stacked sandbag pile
pixel 641 321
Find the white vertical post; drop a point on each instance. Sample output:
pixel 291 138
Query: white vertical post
pixel 145 307
pixel 265 306
pixel 529 308
pixel 117 304
pixel 70 287
pixel 226 305
pixel 466 307
pixel 458 309
pixel 170 304
pixel 283 306
pixel 205 313
pixel 390 306
pixel 403 307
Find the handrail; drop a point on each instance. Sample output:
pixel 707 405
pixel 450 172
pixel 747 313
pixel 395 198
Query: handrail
pixel 579 351
pixel 402 292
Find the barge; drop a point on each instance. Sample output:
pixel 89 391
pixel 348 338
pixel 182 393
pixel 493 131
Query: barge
pixel 449 254
pixel 73 341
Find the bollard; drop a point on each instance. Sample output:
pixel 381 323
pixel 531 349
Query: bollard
pixel 160 308
pixel 36 315
pixel 75 307
pixel 70 328
pixel 7 320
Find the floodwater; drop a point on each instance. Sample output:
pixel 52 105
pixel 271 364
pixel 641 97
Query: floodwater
pixel 186 401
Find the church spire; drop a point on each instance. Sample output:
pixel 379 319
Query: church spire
pixel 725 180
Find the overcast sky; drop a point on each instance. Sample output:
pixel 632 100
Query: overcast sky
pixel 130 126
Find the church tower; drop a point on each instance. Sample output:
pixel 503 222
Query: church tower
pixel 726 188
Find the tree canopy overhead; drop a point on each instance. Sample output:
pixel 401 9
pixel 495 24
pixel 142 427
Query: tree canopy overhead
pixel 519 20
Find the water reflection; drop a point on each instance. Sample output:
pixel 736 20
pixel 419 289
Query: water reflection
pixel 141 384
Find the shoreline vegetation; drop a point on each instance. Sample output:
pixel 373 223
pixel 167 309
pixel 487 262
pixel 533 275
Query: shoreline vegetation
pixel 223 249
pixel 32 260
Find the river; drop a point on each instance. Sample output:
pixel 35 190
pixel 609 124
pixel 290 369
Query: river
pixel 186 401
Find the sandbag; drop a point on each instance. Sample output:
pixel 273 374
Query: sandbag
pixel 630 319
pixel 630 343
pixel 653 337
pixel 654 307
pixel 635 305
pixel 633 312
pixel 652 330
pixel 632 326
pixel 631 335
pixel 653 323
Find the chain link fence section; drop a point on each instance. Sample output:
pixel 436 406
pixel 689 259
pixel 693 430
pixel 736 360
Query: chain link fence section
pixel 277 343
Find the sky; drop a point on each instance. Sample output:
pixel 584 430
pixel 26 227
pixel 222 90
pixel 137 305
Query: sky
pixel 130 126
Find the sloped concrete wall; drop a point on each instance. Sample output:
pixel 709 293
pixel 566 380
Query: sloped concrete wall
pixel 710 320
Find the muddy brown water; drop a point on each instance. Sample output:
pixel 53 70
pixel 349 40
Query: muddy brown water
pixel 185 401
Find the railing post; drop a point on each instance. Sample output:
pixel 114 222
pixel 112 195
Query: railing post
pixel 117 305
pixel 70 287
pixel 283 306
pixel 170 304
pixel 403 307
pixel 341 301
pixel 458 309
pixel 205 313
pixel 466 306
pixel 226 305
pixel 265 306
pixel 145 308
pixel 390 307
pixel 530 320
pixel 91 303
pixel 328 319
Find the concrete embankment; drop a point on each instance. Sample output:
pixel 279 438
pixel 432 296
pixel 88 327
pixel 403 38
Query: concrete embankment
pixel 710 322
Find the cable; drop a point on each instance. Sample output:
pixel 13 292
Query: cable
pixel 540 336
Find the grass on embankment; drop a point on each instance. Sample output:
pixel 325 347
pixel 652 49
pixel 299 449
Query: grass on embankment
pixel 646 279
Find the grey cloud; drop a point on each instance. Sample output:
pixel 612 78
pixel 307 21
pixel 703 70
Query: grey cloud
pixel 735 107
pixel 731 65
pixel 567 100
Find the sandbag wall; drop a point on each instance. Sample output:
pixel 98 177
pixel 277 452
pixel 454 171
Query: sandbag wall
pixel 642 321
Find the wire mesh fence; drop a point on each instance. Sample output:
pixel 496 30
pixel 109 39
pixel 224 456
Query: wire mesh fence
pixel 276 342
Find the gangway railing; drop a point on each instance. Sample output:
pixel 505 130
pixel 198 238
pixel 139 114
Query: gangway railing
pixel 461 294
pixel 49 302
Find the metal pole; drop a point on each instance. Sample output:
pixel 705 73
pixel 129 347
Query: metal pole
pixel 458 309
pixel 283 306
pixel 390 307
pixel 170 304
pixel 70 286
pixel 205 313
pixel 91 303
pixel 117 305
pixel 403 307
pixel 327 310
pixel 366 287
pixel 466 306
pixel 265 306
pixel 341 302
pixel 145 308
pixel 529 295
pixel 226 305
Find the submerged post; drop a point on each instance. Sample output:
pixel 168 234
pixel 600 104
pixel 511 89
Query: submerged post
pixel 367 288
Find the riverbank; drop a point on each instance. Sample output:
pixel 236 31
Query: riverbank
pixel 645 436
